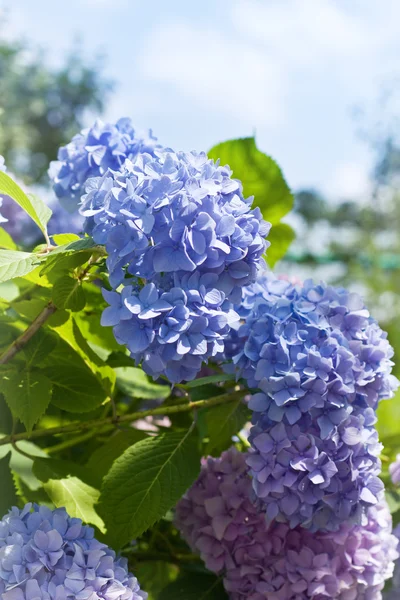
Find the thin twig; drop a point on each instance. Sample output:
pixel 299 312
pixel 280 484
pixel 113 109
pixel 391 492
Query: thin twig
pixel 40 320
pixel 96 423
pixel 24 338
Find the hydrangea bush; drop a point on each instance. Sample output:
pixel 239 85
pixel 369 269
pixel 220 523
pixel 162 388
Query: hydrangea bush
pixel 171 408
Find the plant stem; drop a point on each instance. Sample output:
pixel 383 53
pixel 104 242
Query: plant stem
pixel 96 423
pixel 24 338
pixel 40 320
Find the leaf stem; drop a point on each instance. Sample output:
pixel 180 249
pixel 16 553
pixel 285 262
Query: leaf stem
pixel 96 423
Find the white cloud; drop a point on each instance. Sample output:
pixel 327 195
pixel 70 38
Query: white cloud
pixel 215 71
pixel 251 66
pixel 300 31
pixel 349 181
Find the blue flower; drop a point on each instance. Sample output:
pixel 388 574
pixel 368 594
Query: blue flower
pixel 91 153
pixel 176 213
pixel 47 555
pixel 320 364
pixel 178 226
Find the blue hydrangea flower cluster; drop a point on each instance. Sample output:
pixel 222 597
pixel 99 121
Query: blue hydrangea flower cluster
pixel 183 241
pixel 91 153
pixel 220 520
pixel 321 364
pixel 47 555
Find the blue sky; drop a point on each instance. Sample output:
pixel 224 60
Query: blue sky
pixel 201 72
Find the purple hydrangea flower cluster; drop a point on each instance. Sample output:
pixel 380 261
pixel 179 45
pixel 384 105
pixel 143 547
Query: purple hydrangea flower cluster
pixel 91 153
pixel 394 592
pixel 183 241
pixel 220 520
pixel 321 364
pixel 47 555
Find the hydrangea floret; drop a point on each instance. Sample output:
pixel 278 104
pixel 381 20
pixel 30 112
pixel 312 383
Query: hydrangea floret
pixel 47 555
pixel 182 241
pixel 91 153
pixel 321 365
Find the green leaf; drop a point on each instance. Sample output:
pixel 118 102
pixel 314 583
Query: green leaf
pixel 16 264
pixel 388 425
pixel 68 294
pixel 154 576
pixel 89 321
pixel 61 481
pixel 39 346
pixel 39 212
pixel 62 239
pixel 75 390
pixel 59 264
pixel 6 240
pixel 85 243
pixel 210 379
pixel 8 496
pixel 136 384
pixel 260 175
pixel 280 236
pixel 146 481
pixel 22 465
pixel 222 423
pixel 103 458
pixel 195 586
pixel 9 290
pixel 28 395
pixel 393 500
pixel 69 331
pixel 119 359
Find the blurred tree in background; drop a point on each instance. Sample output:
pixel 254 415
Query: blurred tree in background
pixel 41 108
pixel 361 240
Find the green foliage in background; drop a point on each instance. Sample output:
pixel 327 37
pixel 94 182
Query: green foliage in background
pixel 42 107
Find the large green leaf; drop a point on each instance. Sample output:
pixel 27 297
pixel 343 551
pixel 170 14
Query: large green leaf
pixel 63 239
pixel 222 423
pixel 68 293
pixel 6 240
pixel 195 586
pixel 75 390
pixel 21 464
pixel 136 384
pixel 69 331
pixel 260 175
pixel 85 243
pixel 8 496
pixel 146 481
pixel 16 264
pixel 389 422
pixel 102 459
pixel 28 395
pixel 39 212
pixel 280 237
pixel 39 346
pixel 64 486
